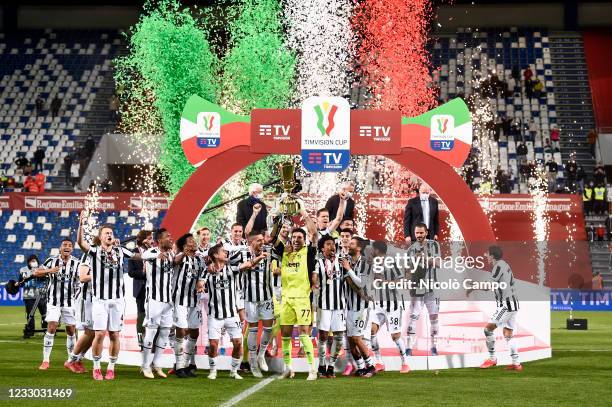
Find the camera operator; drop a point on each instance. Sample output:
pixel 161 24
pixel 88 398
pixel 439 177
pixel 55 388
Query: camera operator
pixel 31 289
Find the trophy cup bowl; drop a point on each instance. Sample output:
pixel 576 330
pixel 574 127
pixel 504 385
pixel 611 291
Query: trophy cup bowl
pixel 288 205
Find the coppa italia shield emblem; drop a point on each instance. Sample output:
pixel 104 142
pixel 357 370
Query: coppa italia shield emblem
pixel 442 134
pixel 208 130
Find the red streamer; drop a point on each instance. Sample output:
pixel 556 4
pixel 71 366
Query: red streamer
pixel 391 52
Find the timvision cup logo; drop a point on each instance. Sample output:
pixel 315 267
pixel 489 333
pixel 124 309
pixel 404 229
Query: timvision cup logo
pixel 325 134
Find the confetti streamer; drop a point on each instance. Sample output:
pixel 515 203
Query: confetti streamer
pixel 392 55
pixel 258 72
pixel 393 64
pixel 171 58
pixel 320 33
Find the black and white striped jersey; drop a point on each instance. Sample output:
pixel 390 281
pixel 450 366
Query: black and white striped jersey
pixel 229 245
pixel 222 292
pixel 83 290
pixel 325 232
pixel 505 297
pixel 331 281
pixel 355 299
pixel 390 299
pixel 202 251
pixel 107 271
pixel 235 254
pixel 422 272
pixel 256 282
pixel 276 260
pixel 61 284
pixel 159 272
pixel 186 275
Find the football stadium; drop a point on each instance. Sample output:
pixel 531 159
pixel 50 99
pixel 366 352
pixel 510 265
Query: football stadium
pixel 272 202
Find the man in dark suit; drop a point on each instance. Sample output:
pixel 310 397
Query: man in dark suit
pixel 245 208
pixel 334 201
pixel 422 208
pixel 144 239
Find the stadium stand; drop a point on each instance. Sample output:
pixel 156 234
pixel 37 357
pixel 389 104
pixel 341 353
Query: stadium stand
pixel 70 64
pixel 467 56
pixel 39 233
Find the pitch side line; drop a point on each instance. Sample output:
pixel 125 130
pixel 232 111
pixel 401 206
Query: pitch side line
pixel 251 390
pixel 582 350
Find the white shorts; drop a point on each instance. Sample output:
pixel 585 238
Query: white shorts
pixel 259 311
pixel 158 314
pixel 501 317
pixel 107 315
pixel 82 310
pixel 393 319
pixel 231 325
pixel 431 302
pixel 357 322
pixel 331 320
pixel 187 317
pixel 239 300
pixel 55 313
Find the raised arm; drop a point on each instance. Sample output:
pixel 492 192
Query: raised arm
pixel 80 238
pixel 339 214
pixel 249 226
pixel 311 227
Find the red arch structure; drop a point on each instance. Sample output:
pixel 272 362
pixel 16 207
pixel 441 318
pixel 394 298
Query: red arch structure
pixel 450 187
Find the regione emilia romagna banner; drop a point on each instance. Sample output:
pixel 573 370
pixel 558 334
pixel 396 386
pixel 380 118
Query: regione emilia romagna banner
pixel 325 132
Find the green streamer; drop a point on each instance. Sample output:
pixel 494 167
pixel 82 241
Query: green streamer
pixel 258 71
pixel 172 58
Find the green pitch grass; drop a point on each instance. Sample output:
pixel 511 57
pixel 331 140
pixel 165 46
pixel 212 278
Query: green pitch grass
pixel 579 373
